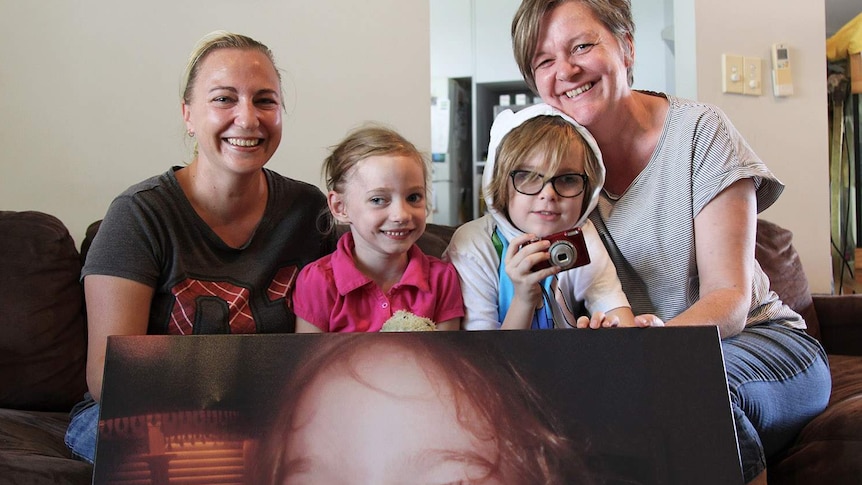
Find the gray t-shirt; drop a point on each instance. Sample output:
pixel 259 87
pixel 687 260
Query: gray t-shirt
pixel 152 235
pixel 649 230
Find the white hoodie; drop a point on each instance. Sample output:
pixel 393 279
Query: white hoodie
pixel 474 255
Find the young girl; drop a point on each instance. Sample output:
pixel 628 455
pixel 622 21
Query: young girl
pixel 377 183
pixel 412 409
pixel 542 177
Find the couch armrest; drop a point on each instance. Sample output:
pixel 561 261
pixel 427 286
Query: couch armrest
pixel 840 318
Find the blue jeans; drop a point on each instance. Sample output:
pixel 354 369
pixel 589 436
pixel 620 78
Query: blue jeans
pixel 82 433
pixel 778 379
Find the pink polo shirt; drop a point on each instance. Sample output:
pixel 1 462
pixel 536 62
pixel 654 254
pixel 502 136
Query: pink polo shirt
pixel 336 297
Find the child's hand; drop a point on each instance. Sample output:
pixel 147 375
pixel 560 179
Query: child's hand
pixel 598 320
pixel 519 266
pixel 648 320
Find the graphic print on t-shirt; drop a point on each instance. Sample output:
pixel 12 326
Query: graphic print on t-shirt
pixel 282 283
pixel 221 306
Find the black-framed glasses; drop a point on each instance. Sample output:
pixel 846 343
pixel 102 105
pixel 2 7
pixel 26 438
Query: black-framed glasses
pixel 566 185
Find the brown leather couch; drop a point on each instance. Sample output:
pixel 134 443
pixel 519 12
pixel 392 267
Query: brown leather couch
pixel 829 449
pixel 43 349
pixel 43 354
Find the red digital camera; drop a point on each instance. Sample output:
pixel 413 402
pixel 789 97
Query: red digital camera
pixel 568 250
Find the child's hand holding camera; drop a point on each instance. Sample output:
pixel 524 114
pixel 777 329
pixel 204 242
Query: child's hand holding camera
pixel 525 252
pixel 528 257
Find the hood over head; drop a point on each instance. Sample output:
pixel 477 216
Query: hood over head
pixel 509 120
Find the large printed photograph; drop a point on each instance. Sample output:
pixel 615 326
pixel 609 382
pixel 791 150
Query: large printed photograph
pixel 616 406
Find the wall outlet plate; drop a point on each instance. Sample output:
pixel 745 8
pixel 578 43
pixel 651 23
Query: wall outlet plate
pixel 731 74
pixel 753 76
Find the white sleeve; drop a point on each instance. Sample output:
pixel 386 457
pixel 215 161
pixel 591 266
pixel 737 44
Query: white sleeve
pixel 472 252
pixel 597 283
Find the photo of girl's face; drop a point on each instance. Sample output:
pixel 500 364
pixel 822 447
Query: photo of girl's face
pixel 427 408
pixel 385 417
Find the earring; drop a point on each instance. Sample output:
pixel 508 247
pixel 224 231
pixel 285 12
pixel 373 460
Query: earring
pixel 190 133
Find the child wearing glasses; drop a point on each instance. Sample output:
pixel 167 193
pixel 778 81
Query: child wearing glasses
pixel 543 176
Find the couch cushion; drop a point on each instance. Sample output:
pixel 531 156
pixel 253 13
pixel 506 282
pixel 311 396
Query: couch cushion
pixel 44 344
pixel 435 239
pixel 89 235
pixel 780 261
pixel 32 450
pixel 829 448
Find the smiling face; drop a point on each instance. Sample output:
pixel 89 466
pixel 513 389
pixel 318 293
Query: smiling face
pixel 547 212
pixel 385 416
pixel 384 202
pixel 579 66
pixel 235 110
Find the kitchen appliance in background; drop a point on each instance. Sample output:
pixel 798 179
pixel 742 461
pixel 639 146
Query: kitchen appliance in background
pixel 490 99
pixel 451 154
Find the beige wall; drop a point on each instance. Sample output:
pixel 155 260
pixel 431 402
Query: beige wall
pixel 789 134
pixel 89 100
pixel 89 89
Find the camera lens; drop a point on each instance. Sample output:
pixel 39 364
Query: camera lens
pixel 563 254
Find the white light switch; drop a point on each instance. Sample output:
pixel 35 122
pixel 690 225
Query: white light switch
pixel 752 76
pixel 732 74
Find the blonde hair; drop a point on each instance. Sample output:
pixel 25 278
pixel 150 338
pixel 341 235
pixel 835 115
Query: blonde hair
pixel 615 15
pixel 545 135
pixel 364 142
pixel 367 141
pixel 214 41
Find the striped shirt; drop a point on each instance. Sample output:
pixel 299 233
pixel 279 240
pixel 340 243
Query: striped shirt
pixel 649 230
